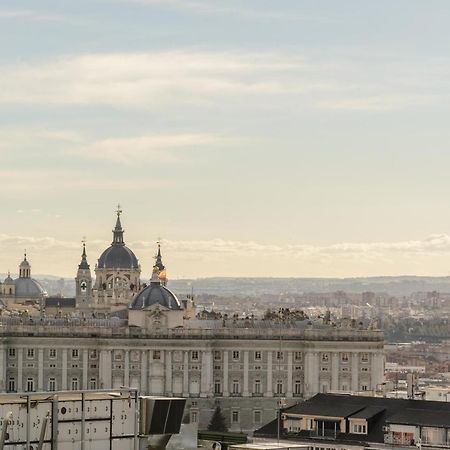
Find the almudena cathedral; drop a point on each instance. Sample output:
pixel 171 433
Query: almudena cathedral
pixel 151 340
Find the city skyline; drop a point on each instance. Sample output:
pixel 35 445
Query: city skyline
pixel 300 139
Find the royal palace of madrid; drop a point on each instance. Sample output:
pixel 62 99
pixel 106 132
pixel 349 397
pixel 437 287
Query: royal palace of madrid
pixel 120 331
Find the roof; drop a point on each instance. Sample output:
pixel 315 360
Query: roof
pixel 118 256
pixel 155 294
pixel 377 410
pixel 28 287
pixel 63 302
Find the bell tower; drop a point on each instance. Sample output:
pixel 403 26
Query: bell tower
pixel 83 282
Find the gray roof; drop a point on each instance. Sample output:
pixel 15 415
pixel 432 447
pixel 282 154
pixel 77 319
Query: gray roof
pixel 63 302
pixel 118 257
pixel 28 287
pixel 155 294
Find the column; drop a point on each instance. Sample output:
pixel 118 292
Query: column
pixel 355 372
pixel 168 364
pixel 126 378
pixel 377 369
pixel 2 370
pixel 311 373
pixel 335 371
pixel 85 369
pixel 105 369
pixel 289 375
pixel 245 392
pixel 206 376
pixel 269 389
pixel 226 393
pixel 20 370
pixel 40 369
pixel 144 375
pixel 64 369
pixel 186 374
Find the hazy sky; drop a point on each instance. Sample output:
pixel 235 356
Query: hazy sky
pixel 255 137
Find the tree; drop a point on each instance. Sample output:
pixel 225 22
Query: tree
pixel 217 422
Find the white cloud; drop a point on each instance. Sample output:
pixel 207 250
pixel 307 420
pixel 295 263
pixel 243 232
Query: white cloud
pixel 159 147
pixel 170 79
pixel 237 254
pixel 236 8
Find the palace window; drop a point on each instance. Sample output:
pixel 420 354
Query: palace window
pixel 194 416
pixel 325 357
pixel 12 352
pixel 298 356
pixel 279 387
pixel 344 357
pixel 217 387
pixel 236 388
pixel 257 417
pixel 75 353
pixel 30 384
pixel 74 384
pixel 11 384
pixel 52 384
pixel 93 383
pixel 194 355
pixel 234 416
pixel 236 355
pixel 30 353
pixel 156 354
pixel 257 387
pixel 257 356
pixel 52 353
pixel 93 354
pixel 297 387
pixel 280 356
pixel 364 357
pixel 359 429
pixel 217 355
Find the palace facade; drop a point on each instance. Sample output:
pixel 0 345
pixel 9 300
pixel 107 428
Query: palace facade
pixel 151 340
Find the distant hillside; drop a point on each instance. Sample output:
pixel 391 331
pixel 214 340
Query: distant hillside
pixel 398 286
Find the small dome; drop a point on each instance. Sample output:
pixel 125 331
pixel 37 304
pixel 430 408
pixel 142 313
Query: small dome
pixel 118 257
pixel 155 294
pixel 8 280
pixel 28 287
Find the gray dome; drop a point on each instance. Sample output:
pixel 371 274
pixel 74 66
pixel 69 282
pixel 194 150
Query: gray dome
pixel 28 287
pixel 8 280
pixel 118 257
pixel 155 294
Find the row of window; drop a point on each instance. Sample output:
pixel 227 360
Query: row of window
pixel 195 355
pixel 257 387
pixel 52 353
pixel 51 384
pixel 235 417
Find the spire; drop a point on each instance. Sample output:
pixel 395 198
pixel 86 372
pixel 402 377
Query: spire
pixel 155 275
pixel 83 264
pixel 162 274
pixel 158 258
pixel 118 231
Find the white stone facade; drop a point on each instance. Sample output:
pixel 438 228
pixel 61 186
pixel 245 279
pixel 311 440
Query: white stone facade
pixel 247 371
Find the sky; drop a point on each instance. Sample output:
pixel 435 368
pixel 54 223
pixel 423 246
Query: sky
pixel 304 138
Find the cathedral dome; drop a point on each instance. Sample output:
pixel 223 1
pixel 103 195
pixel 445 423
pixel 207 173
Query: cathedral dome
pixel 28 287
pixel 155 294
pixel 118 255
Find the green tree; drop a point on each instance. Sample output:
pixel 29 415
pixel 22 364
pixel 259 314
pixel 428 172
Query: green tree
pixel 217 422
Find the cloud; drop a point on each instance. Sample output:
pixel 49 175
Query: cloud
pixel 132 150
pixel 239 255
pixel 171 79
pixel 32 15
pixel 229 8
